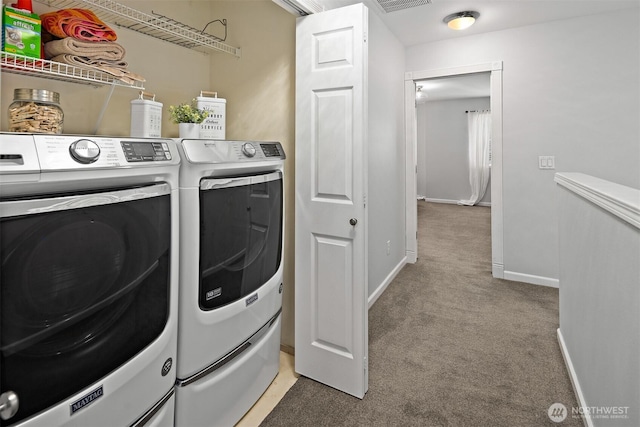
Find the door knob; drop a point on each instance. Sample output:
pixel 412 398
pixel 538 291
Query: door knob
pixel 8 405
pixel 353 221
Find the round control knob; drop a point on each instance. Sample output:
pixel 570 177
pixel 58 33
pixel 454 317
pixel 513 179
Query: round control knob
pixel 248 149
pixel 84 151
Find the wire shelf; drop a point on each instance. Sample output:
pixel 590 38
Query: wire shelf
pixel 157 26
pixel 24 65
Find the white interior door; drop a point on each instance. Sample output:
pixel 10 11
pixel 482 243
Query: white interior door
pixel 331 327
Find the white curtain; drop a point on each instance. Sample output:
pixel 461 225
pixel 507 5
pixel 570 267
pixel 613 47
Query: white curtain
pixel 479 154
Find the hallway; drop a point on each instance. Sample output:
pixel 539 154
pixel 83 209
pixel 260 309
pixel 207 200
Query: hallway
pixel 449 344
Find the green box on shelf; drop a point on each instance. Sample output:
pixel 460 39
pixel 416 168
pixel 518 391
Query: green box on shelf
pixel 21 32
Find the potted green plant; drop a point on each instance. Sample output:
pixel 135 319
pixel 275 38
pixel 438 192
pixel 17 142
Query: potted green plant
pixel 188 117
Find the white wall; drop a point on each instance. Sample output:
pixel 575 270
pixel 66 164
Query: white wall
pixel 385 150
pixel 600 294
pixel 570 89
pixel 443 147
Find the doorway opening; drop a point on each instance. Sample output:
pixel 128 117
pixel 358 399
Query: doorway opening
pixel 443 107
pixel 412 80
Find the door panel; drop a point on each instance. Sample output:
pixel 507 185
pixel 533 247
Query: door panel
pixel 331 276
pixel 334 48
pixel 333 145
pixel 332 301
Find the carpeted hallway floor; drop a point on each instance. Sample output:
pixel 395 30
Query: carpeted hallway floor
pixel 448 344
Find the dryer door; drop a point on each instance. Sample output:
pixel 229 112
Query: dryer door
pixel 240 236
pixel 85 287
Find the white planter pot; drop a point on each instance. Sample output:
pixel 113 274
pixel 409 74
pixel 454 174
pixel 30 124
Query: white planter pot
pixel 189 130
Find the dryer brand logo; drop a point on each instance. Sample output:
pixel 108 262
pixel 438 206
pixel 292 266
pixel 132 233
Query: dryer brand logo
pixel 166 367
pixel 213 294
pixel 86 400
pixel 253 298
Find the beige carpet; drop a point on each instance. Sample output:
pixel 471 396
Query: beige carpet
pixel 448 344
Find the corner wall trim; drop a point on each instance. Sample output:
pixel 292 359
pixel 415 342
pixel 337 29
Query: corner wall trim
pixel 619 200
pixel 530 278
pixel 574 378
pixel 386 282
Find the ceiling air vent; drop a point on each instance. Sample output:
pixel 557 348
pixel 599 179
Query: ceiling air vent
pixel 300 7
pixel 395 5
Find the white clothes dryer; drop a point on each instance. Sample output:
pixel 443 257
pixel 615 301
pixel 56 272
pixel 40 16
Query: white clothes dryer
pixel 88 280
pixel 231 237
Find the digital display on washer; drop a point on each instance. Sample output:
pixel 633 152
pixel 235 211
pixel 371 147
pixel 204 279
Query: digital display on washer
pixel 144 151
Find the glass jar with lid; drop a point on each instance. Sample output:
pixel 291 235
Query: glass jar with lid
pixel 35 111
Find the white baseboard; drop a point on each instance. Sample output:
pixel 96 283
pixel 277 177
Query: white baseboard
pixel 386 282
pixel 449 202
pixel 530 278
pixel 497 270
pixel 588 422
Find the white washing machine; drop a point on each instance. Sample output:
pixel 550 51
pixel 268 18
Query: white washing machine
pixel 88 280
pixel 231 243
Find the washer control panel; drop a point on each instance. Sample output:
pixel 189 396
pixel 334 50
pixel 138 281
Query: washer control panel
pixel 63 152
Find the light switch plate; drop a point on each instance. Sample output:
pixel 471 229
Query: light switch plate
pixel 546 162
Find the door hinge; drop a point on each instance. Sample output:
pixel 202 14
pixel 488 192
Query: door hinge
pixel 364 198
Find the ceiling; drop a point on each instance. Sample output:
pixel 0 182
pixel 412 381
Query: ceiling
pixel 423 24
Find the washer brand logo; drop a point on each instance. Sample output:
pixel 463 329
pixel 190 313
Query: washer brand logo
pixel 86 400
pixel 253 298
pixel 214 294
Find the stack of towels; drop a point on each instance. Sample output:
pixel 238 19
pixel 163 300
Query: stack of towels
pixel 81 39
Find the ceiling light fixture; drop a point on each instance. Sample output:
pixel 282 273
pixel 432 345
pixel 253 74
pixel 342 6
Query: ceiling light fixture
pixel 461 20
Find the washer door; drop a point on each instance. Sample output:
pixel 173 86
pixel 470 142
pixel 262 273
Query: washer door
pixel 85 287
pixel 240 236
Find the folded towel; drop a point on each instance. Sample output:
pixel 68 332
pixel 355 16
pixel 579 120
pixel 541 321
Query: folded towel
pixel 114 68
pixel 110 51
pixel 79 23
pixel 67 58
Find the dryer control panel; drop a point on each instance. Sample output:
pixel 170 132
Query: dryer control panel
pixel 222 151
